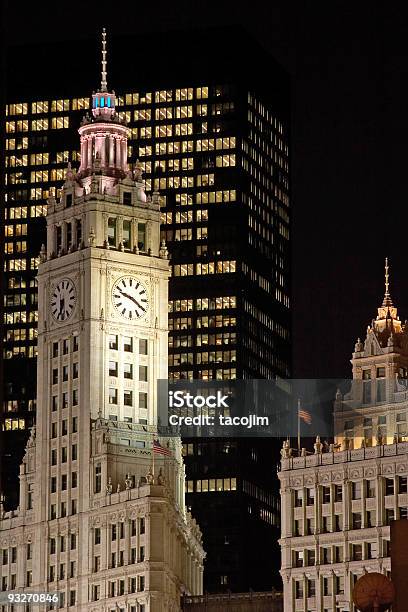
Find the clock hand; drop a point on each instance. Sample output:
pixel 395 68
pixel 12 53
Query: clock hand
pixel 130 297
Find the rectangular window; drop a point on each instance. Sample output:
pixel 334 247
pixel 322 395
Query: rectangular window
pixel 356 520
pixel 338 522
pixel 113 395
pixel 65 347
pixel 311 588
pixel 143 373
pixel 298 589
pixel 141 236
pixel 370 488
pixel 127 198
pixel 126 235
pixel 389 486
pixel 326 586
pixel 112 231
pixel 389 516
pixel 298 558
pixel 55 349
pixel 64 428
pixel 113 368
pixel 325 556
pixel 98 478
pixel 142 346
pixel 338 493
pixel 298 498
pixel 372 550
pixel 55 376
pixel 127 344
pixel 97 535
pixel 74 452
pixel 141 583
pixel 74 424
pixel 356 490
pixel 75 397
pixel 128 398
pixel 402 484
pixel 63 482
pixel 75 369
pixel 311 557
pixel 357 552
pixel 65 373
pixel 128 370
pixel 113 342
pixel 339 582
pixel 371 518
pixel 310 497
pixel 143 400
pixel 63 454
pixel 326 495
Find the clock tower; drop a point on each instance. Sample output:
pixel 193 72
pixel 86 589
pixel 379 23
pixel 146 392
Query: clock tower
pixel 105 518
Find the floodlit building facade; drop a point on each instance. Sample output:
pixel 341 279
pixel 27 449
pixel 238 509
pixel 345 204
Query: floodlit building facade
pixel 101 517
pixel 338 502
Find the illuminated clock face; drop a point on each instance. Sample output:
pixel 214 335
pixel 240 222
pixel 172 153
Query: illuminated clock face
pixel 63 300
pixel 129 296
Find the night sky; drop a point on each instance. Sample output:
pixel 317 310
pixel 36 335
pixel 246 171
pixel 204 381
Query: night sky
pixel 348 64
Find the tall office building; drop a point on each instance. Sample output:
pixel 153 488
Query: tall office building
pixel 101 520
pixel 209 124
pixel 338 503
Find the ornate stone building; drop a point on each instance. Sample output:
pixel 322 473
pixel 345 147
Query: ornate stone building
pixel 338 503
pixel 102 519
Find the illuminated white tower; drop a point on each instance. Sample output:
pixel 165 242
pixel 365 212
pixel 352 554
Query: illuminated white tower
pixel 100 520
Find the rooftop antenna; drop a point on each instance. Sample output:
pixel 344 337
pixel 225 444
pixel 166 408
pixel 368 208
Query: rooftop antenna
pixel 387 296
pixel 104 84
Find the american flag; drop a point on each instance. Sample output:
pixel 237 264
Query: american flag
pixel 305 416
pixel 160 450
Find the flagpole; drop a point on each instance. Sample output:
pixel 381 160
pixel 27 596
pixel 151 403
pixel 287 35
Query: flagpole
pixel 153 453
pixel 298 425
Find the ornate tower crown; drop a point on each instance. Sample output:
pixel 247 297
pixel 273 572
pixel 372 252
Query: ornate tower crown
pixel 104 135
pixel 387 321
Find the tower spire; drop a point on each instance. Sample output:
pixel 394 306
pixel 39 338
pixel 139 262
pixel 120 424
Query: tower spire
pixel 387 297
pixel 104 84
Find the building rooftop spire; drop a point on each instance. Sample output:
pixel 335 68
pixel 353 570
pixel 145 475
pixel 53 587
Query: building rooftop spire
pixel 387 297
pixel 104 84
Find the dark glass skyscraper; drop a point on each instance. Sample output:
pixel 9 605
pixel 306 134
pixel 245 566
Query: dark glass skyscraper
pixel 210 127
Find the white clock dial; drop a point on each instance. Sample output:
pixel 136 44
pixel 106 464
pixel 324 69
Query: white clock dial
pixel 129 296
pixel 63 300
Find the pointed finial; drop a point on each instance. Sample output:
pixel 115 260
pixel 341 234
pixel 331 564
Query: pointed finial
pixel 387 297
pixel 104 84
